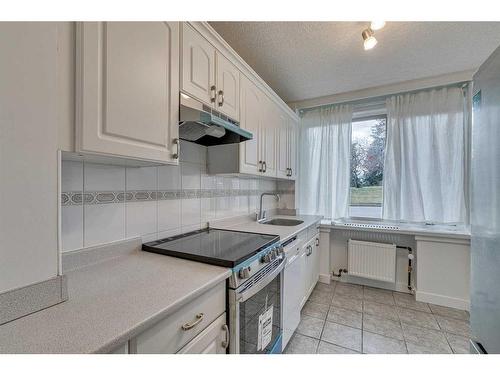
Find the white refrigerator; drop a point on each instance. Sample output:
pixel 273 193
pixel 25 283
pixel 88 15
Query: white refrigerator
pixel 485 208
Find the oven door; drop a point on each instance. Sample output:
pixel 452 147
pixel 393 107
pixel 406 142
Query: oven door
pixel 256 314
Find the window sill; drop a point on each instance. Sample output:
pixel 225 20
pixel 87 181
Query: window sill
pixel 441 230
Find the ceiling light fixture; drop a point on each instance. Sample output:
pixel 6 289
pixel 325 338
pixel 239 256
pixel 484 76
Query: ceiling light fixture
pixel 369 39
pixel 377 25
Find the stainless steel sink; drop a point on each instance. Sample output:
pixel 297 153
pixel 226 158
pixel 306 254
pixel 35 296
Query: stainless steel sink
pixel 283 222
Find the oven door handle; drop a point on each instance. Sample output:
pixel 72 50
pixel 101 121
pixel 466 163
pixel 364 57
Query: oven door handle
pixel 242 297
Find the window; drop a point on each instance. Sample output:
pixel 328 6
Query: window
pixel 367 167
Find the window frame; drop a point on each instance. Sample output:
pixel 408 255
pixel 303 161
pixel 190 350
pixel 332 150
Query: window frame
pixel 359 119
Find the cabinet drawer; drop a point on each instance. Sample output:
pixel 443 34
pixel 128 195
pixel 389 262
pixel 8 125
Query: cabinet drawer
pixel 213 340
pixel 312 231
pixel 302 237
pixel 168 336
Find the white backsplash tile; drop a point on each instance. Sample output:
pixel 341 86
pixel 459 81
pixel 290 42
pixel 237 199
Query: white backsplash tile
pixel 169 177
pixel 72 175
pixel 144 178
pixel 169 214
pixel 141 218
pixel 175 199
pixel 190 212
pixel 103 223
pixel 100 177
pixel 190 176
pixel 72 227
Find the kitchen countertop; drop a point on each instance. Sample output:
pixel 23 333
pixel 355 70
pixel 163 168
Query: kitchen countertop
pixel 285 232
pixel 111 302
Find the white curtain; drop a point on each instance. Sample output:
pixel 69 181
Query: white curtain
pixel 325 143
pixel 424 159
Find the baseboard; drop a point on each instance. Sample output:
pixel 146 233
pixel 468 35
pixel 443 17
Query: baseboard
pixel 439 299
pixel 32 298
pixel 325 279
pixel 397 287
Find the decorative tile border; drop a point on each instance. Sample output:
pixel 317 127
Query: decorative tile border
pixel 104 197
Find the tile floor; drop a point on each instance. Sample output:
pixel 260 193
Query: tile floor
pixel 342 318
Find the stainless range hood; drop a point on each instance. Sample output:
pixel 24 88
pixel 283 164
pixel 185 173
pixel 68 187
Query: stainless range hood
pixel 203 125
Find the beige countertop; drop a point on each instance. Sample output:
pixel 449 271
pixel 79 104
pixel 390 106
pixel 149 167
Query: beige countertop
pixel 109 303
pixel 285 232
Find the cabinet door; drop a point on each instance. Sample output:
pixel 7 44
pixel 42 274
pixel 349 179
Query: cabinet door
pixel 251 101
pixel 128 89
pixel 198 66
pixel 269 138
pixel 292 155
pixel 228 88
pixel 212 340
pixel 316 260
pixel 304 274
pixel 309 267
pixel 283 149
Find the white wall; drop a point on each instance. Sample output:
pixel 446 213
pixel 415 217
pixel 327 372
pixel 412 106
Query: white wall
pixel 444 271
pixel 192 199
pixel 28 153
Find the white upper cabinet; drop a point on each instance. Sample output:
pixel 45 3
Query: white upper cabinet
pixel 198 66
pixel 209 76
pixel 292 148
pixel 128 89
pixel 228 88
pixel 283 147
pixel 287 147
pixel 269 139
pixel 251 102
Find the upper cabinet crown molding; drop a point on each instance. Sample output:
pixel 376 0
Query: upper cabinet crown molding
pixel 127 90
pixel 223 47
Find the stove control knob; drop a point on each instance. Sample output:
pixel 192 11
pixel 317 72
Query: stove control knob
pixel 244 273
pixel 273 254
pixel 280 250
pixel 266 258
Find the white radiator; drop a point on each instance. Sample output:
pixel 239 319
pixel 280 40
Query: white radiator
pixel 372 260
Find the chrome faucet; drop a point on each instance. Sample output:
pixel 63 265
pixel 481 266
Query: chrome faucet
pixel 262 214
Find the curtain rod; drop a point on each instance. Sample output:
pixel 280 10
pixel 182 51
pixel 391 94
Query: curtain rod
pixel 380 98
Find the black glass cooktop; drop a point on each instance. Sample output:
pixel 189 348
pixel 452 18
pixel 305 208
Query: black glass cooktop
pixel 219 247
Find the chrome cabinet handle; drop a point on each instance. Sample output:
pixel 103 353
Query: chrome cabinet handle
pixel 310 250
pixel 221 98
pixel 178 151
pixel 291 172
pixel 317 241
pixel 188 326
pixel 212 94
pixel 260 166
pixel 225 343
pixel 265 166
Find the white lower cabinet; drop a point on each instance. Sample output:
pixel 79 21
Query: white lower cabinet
pixel 195 327
pixel 310 258
pixel 213 340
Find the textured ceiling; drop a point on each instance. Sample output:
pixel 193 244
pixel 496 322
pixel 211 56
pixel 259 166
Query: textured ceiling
pixel 303 60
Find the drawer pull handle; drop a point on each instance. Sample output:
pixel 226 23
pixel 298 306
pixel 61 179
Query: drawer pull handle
pixel 317 241
pixel 225 343
pixel 188 326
